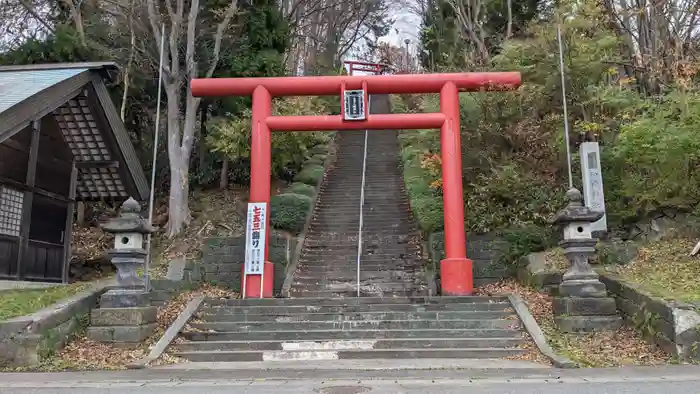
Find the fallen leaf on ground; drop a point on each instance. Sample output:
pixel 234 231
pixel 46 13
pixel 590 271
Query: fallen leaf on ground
pixel 601 349
pixel 84 354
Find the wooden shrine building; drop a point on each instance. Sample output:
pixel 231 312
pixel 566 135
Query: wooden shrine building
pixel 61 141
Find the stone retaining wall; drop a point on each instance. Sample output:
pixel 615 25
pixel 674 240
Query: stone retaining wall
pixel 26 340
pixel 485 251
pixel 673 325
pixel 222 261
pixel 533 270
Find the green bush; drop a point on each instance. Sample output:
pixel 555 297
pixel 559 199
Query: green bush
pixel 303 189
pixel 310 174
pixel 289 211
pixel 317 159
pixel 427 207
pixel 654 162
pixel 319 149
pixel 426 202
pixel 526 239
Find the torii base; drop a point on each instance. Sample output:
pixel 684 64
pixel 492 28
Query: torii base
pixel 252 283
pixel 456 277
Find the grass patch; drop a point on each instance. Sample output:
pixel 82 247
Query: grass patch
pixel 665 269
pixel 21 302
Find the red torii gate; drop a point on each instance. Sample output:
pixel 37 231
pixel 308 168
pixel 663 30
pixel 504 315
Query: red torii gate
pixel 376 68
pixel 456 268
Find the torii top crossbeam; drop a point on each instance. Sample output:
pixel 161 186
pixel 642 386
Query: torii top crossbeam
pixel 376 84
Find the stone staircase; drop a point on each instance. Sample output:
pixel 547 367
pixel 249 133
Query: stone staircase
pixel 352 328
pixel 390 262
pixel 394 318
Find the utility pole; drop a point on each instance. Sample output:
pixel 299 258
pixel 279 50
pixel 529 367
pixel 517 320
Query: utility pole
pixel 408 55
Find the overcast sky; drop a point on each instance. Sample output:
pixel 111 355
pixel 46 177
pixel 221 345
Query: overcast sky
pixel 407 25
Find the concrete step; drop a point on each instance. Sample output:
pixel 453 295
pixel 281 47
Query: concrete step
pixel 405 247
pixel 472 324
pixel 325 240
pixel 394 215
pixel 392 248
pixel 283 355
pixel 410 343
pixel 330 271
pixel 366 286
pixel 365 291
pixel 318 302
pixel 368 231
pixel 368 308
pixel 225 316
pixel 352 279
pixel 326 335
pixel 350 261
pixel 351 276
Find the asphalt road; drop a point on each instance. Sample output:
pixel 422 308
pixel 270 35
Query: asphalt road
pixel 681 379
pixel 384 387
pixel 662 380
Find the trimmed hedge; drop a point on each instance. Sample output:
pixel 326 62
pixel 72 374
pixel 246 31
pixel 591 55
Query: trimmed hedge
pixel 317 159
pixel 310 174
pixel 319 149
pixel 302 188
pixel 289 210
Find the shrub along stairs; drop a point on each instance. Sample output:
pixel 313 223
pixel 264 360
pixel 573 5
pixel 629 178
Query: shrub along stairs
pixel 323 319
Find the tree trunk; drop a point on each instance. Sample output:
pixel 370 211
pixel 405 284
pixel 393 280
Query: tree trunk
pixel 178 210
pixel 223 179
pixel 509 26
pixel 203 150
pixel 80 208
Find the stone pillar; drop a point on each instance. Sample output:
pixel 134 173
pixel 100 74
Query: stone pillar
pixel 582 304
pixel 125 314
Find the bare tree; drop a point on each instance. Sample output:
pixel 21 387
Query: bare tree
pixel 470 17
pixel 182 108
pixel 659 37
pixel 21 20
pixel 323 31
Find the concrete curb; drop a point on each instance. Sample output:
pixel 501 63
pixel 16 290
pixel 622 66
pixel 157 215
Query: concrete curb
pixel 536 333
pixel 292 267
pixel 57 313
pixel 169 334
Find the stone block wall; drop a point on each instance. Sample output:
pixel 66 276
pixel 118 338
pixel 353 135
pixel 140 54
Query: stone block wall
pixel 485 251
pixel 222 261
pixel 26 340
pixel 673 325
pixel 533 271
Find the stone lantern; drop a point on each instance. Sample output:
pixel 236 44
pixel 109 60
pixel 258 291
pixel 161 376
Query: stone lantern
pixel 582 303
pixel 128 255
pixel 125 314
